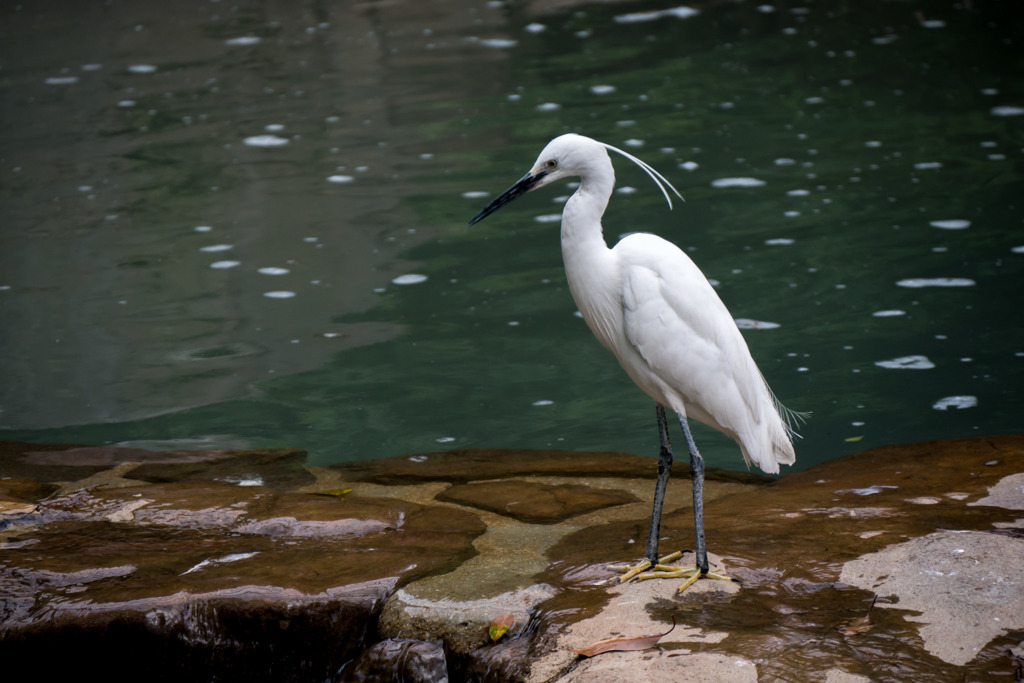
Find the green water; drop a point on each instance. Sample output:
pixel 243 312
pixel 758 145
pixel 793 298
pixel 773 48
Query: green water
pixel 868 126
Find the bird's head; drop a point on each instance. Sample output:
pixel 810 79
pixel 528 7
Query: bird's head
pixel 564 157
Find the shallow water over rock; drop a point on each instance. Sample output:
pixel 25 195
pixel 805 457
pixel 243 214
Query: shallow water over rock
pixel 898 563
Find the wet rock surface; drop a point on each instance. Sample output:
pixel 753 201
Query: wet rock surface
pixel 533 502
pixel 225 565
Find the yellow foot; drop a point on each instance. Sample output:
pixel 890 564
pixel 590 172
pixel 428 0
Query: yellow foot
pixel 691 576
pixel 663 570
pixel 642 566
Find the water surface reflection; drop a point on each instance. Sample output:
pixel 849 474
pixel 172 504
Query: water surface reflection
pixel 245 223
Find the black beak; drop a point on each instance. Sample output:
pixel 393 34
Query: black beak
pixel 521 187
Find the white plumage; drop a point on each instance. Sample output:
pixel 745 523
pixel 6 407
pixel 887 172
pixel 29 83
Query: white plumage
pixel 648 303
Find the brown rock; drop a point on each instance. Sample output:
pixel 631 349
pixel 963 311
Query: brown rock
pixel 534 502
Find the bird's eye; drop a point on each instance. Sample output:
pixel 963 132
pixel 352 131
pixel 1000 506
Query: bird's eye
pixel 551 163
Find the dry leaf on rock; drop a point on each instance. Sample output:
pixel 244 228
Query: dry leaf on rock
pixel 500 626
pixel 624 644
pixel 336 493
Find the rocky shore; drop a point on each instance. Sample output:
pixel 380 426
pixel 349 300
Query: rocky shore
pixel 250 565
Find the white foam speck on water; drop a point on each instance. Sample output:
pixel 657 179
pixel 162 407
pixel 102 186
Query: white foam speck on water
pixel 926 165
pixel 890 313
pixel 933 23
pixel 790 214
pixel 748 324
pixel 409 279
pixel 548 218
pixel 633 142
pixel 779 241
pixel 223 265
pixel 475 194
pixel 602 89
pixel 273 270
pixel 689 165
pixel 784 161
pixel 639 17
pixel 736 182
pixel 798 193
pixel 279 294
pixel 61 80
pixel 549 106
pixel 444 439
pixel 214 248
pixel 202 228
pixel 535 28
pixel 91 67
pixel 265 141
pixel 141 68
pixel 274 127
pixel 418 458
pixel 873 143
pixel 126 103
pixel 233 557
pixel 339 179
pixel 243 40
pixel 542 402
pixel 1018 250
pixel 813 100
pixel 918 282
pixel 958 402
pixel 907 363
pixel 951 224
pixel 625 189
pixel 1007 110
pixel 868 491
pixel 499 43
pixel 244 480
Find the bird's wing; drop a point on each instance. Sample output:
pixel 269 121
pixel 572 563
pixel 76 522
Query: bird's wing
pixel 677 323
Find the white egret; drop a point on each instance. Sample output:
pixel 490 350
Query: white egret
pixel 652 307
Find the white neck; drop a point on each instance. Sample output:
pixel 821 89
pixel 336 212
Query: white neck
pixel 581 218
pixel 590 266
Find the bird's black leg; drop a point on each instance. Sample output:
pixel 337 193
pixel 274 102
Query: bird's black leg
pixel 697 478
pixel 651 560
pixel 651 567
pixel 664 472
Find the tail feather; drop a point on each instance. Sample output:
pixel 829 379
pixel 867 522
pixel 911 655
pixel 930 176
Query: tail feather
pixel 776 436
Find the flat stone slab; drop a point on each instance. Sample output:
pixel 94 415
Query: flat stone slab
pixel 481 464
pixel 251 564
pixel 967 587
pixel 535 502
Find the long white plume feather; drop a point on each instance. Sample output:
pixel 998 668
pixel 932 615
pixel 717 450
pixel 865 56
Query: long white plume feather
pixel 659 180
